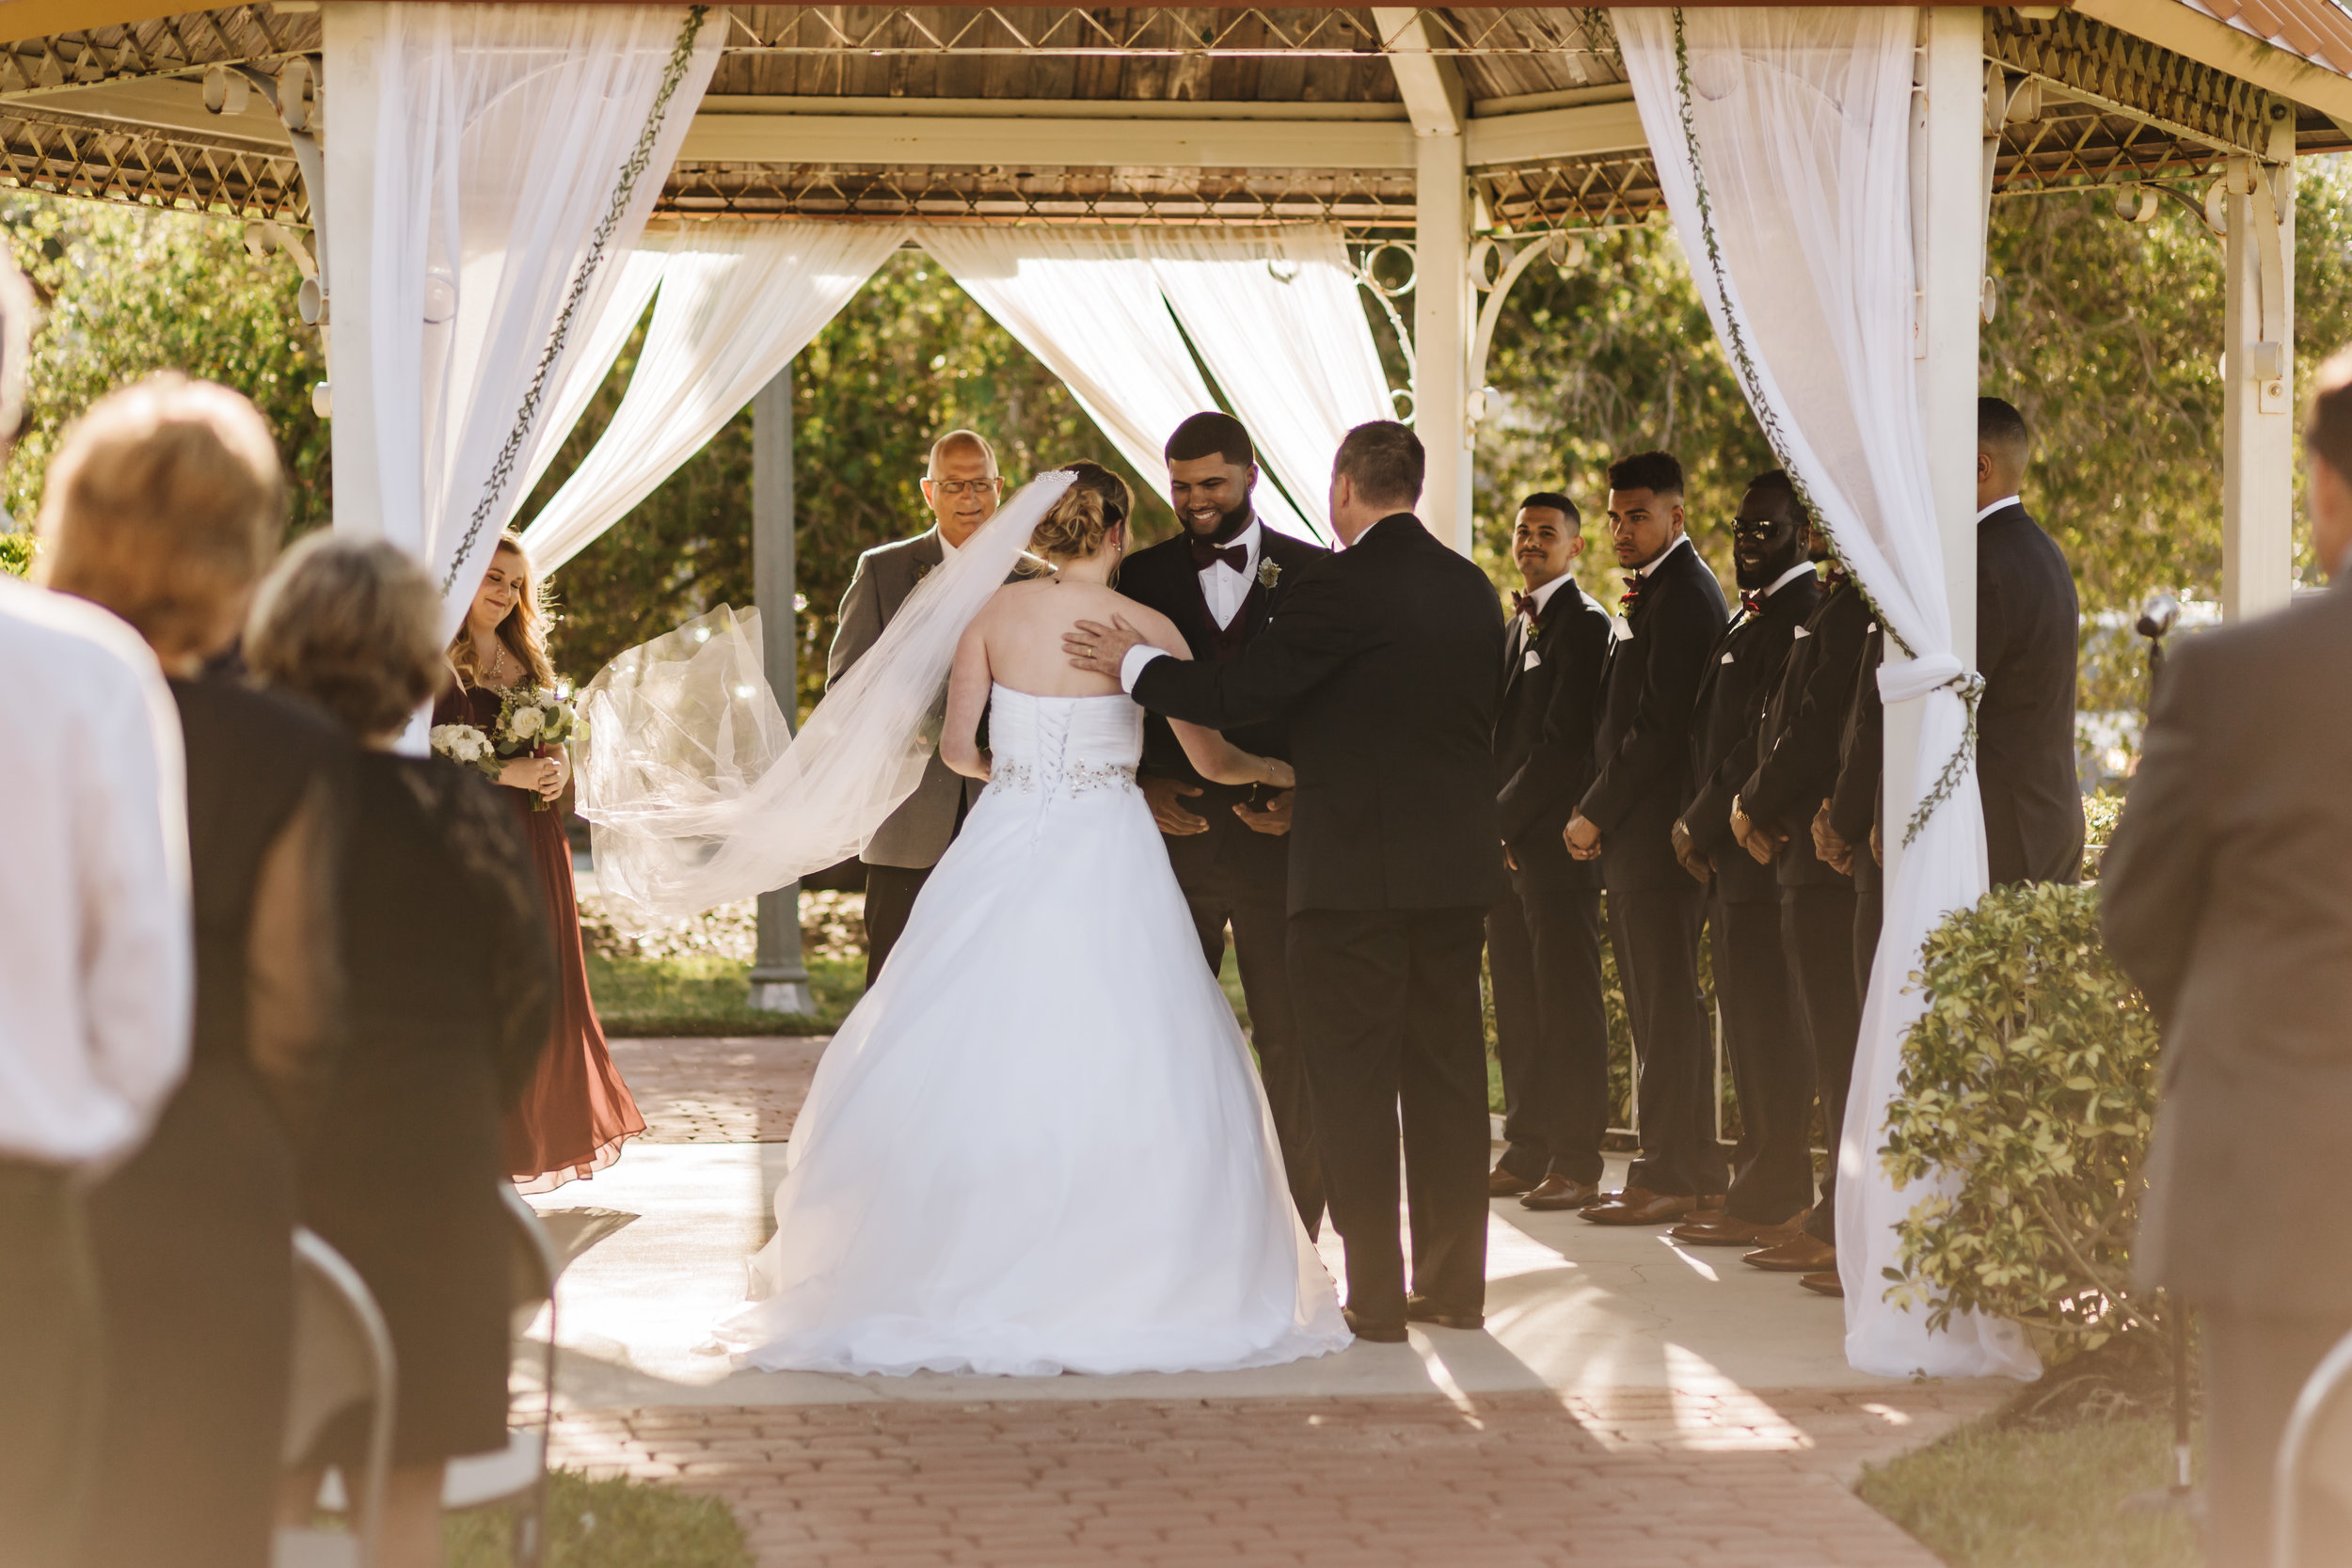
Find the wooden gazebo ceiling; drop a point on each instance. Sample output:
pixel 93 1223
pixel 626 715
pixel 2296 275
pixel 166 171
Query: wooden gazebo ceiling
pixel 961 114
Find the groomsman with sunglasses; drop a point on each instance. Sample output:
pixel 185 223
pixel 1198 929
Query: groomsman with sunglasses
pixel 1543 940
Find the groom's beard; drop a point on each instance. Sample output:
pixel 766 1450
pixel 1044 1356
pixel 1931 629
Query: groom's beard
pixel 1229 525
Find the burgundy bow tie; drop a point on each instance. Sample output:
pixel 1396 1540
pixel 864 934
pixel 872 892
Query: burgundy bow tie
pixel 1205 555
pixel 1524 604
pixel 1752 600
pixel 1632 595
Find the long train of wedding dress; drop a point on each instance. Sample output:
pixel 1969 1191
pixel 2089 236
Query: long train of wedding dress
pixel 1039 1144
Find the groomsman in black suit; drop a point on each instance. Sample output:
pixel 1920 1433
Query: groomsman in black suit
pixel 1384 659
pixel 1222 581
pixel 1664 638
pixel 2227 896
pixel 2028 625
pixel 1771 1061
pixel 1543 940
pixel 1798 757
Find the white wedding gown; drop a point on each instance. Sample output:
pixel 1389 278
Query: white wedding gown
pixel 1039 1144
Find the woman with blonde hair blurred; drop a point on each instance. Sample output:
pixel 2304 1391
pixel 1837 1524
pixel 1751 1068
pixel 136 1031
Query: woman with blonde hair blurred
pixel 576 1111
pixel 450 979
pixel 165 504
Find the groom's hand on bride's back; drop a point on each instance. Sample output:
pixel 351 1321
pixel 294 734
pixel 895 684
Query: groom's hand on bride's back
pixel 1092 645
pixel 1165 797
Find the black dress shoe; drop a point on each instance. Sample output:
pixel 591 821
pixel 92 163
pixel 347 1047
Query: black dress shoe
pixel 1374 1329
pixel 1420 1309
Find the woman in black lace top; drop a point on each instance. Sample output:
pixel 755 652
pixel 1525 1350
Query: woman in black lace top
pixel 450 982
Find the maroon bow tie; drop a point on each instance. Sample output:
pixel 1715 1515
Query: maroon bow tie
pixel 1752 601
pixel 1524 604
pixel 1205 555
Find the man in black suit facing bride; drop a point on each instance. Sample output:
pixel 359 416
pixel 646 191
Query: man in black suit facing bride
pixel 1384 661
pixel 1222 581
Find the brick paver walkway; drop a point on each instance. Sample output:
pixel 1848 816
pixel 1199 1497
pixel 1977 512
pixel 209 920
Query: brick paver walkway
pixel 722 1090
pixel 1623 1480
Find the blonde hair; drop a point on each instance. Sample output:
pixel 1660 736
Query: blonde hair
pixel 354 625
pixel 1076 525
pixel 165 503
pixel 524 631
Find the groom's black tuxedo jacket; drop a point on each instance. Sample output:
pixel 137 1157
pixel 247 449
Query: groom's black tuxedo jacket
pixel 1649 693
pixel 1544 734
pixel 1384 659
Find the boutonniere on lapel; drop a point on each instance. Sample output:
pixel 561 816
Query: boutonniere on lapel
pixel 922 569
pixel 1268 574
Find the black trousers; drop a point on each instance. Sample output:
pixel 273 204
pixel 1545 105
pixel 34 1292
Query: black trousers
pixel 51 1388
pixel 1389 1013
pixel 1655 935
pixel 1256 907
pixel 890 895
pixel 1772 1063
pixel 1551 1033
pixel 1818 924
pixel 2255 1367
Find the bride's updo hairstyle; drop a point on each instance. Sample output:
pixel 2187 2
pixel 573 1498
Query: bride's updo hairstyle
pixel 1083 518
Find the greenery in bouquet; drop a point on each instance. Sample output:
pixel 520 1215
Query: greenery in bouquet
pixel 531 719
pixel 16 554
pixel 467 747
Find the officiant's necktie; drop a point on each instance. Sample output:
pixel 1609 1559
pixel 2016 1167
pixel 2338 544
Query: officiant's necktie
pixel 1205 555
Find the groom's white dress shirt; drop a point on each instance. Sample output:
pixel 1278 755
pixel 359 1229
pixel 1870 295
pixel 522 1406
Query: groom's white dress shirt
pixel 96 968
pixel 1225 588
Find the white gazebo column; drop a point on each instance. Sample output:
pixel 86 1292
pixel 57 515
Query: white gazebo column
pixel 2258 379
pixel 348 79
pixel 778 977
pixel 1444 308
pixel 1948 125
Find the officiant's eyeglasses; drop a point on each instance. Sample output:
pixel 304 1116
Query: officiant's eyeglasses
pixel 966 486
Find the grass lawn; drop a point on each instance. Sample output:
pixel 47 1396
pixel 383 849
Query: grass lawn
pixel 708 993
pixel 1990 1497
pixel 610 1524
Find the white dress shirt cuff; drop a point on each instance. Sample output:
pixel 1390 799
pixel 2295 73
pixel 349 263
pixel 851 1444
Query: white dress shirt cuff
pixel 1131 668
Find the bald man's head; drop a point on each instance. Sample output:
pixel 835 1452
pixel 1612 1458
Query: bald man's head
pixel 964 443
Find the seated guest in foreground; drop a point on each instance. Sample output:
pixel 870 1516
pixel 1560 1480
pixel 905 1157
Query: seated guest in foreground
pixel 165 505
pixel 450 984
pixel 2227 896
pixel 576 1111
pixel 1771 1057
pixel 1668 620
pixel 2028 621
pixel 1543 940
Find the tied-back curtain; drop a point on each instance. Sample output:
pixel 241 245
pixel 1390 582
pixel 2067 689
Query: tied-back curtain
pixel 1276 318
pixel 1782 138
pixel 1091 313
pixel 514 153
pixel 737 301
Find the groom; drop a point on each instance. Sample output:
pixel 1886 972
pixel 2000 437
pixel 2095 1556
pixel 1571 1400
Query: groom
pixel 1222 581
pixel 962 487
pixel 1383 662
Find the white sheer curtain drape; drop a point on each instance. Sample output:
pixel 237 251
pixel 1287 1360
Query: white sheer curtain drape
pixel 585 370
pixel 1090 310
pixel 737 301
pixel 1276 317
pixel 513 152
pixel 1785 164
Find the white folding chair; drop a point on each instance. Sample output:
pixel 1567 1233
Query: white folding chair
pixel 343 1357
pixel 2314 1463
pixel 516 1475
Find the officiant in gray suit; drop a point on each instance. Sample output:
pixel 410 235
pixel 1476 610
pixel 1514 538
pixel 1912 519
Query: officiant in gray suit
pixel 962 489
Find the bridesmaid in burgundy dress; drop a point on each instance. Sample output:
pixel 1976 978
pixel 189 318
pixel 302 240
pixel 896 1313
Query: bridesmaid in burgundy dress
pixel 577 1113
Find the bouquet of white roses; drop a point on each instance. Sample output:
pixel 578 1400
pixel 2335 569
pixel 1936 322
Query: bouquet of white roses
pixel 532 718
pixel 467 747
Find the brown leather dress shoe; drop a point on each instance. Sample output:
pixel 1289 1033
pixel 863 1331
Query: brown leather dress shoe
pixel 1723 1230
pixel 1502 1183
pixel 1640 1206
pixel 1823 1283
pixel 1558 1192
pixel 1420 1309
pixel 1800 1254
pixel 1372 1329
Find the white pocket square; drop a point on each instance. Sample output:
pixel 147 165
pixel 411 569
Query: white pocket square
pixel 1621 628
pixel 1727 658
pixel 1802 632
pixel 1533 659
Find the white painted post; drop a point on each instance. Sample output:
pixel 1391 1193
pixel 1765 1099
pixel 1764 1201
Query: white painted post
pixel 1950 284
pixel 2258 380
pixel 348 81
pixel 1443 315
pixel 778 977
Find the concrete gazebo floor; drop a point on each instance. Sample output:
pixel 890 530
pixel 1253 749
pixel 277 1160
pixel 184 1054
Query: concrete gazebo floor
pixel 1629 1402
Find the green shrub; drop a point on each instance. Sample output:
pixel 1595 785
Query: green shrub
pixel 2032 1077
pixel 16 553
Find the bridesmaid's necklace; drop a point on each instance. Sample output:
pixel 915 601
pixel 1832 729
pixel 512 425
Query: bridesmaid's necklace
pixel 498 663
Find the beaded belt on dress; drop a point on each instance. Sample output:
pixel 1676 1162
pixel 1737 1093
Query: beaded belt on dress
pixel 1077 777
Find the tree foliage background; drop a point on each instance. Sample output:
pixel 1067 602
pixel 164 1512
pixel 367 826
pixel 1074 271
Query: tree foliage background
pixel 2106 335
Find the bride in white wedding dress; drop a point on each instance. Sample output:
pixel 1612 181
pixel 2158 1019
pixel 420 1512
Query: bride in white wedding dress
pixel 1039 1144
